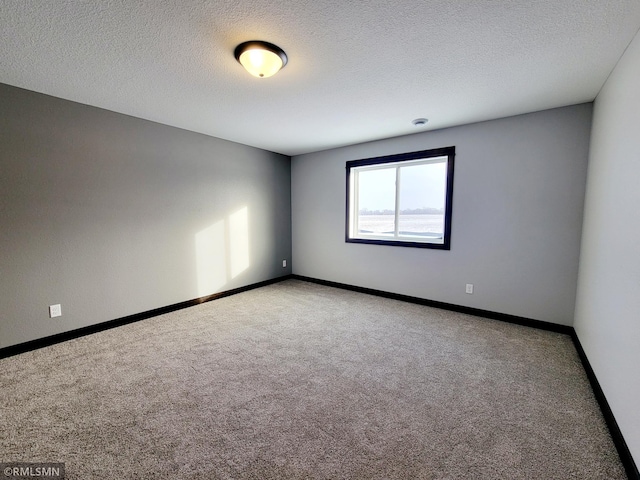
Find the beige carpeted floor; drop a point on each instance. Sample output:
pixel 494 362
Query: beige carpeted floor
pixel 296 380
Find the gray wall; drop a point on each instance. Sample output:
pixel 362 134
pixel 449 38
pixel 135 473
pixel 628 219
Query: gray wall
pixel 111 215
pixel 608 303
pixel 517 217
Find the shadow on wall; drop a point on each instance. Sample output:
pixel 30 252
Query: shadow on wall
pixel 222 252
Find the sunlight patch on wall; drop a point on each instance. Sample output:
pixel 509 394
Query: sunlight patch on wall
pixel 239 241
pixel 222 252
pixel 211 258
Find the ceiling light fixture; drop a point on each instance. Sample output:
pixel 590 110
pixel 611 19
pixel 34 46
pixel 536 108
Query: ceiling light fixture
pixel 260 59
pixel 419 122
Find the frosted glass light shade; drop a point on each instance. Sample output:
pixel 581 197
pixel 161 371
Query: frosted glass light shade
pixel 260 59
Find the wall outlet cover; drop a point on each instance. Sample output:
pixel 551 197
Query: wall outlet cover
pixel 55 311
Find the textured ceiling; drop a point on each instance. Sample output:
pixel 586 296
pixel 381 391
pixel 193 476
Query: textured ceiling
pixel 358 70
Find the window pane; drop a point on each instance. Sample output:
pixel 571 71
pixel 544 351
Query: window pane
pixel 401 200
pixel 422 200
pixel 376 201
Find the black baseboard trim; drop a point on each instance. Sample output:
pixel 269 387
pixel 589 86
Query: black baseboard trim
pixel 528 322
pixel 621 445
pixel 99 327
pixel 616 434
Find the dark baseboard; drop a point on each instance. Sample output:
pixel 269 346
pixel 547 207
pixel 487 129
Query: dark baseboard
pixel 618 440
pixel 80 332
pixel 553 327
pixel 621 445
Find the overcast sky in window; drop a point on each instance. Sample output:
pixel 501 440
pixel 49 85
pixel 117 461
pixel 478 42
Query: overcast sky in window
pixel 421 186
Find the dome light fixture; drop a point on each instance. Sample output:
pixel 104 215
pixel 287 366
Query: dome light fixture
pixel 260 59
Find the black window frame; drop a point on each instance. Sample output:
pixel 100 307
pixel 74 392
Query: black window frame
pixel 449 152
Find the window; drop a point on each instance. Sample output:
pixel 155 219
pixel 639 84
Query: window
pixel 402 200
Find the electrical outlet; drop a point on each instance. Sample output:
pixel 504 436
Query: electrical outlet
pixel 284 263
pixel 55 311
pixel 469 288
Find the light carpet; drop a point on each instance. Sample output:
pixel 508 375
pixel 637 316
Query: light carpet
pixel 301 381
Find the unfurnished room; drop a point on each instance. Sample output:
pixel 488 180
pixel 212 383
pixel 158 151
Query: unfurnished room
pixel 319 239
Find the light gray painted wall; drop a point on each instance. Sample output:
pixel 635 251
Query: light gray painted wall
pixel 517 216
pixel 608 302
pixel 100 212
